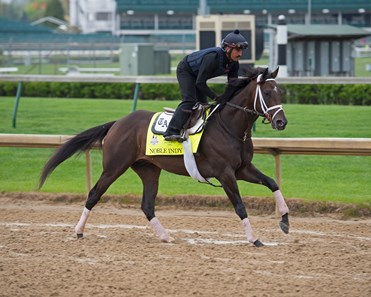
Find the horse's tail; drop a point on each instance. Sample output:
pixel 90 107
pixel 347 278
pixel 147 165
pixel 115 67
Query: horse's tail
pixel 79 143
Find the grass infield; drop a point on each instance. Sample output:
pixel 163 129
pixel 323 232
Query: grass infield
pixel 320 178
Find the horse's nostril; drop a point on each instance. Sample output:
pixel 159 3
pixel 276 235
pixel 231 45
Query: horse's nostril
pixel 281 124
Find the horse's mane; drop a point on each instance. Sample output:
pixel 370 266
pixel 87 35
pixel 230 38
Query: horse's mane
pixel 248 75
pixel 253 73
pixel 235 85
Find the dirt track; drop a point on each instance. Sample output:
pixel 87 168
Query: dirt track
pixel 120 255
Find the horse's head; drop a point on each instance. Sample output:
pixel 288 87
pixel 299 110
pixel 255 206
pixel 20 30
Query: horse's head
pixel 258 94
pixel 268 99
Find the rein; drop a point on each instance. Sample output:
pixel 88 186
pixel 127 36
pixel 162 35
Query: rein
pixel 245 109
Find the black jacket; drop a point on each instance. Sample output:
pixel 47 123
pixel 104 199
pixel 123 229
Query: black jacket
pixel 209 63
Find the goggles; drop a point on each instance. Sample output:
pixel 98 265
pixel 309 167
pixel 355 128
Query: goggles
pixel 241 45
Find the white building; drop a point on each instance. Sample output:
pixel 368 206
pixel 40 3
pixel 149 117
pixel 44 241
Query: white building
pixel 93 16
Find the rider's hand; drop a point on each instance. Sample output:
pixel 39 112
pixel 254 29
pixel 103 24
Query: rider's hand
pixel 221 99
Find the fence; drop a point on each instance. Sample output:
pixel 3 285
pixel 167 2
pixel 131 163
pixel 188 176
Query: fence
pixel 273 146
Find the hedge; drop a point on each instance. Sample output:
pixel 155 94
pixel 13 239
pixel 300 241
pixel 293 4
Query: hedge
pixel 350 94
pixel 358 94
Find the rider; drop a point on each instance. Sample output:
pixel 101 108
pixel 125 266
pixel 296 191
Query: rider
pixel 193 72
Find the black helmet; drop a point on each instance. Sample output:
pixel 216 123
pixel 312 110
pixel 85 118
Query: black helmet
pixel 235 39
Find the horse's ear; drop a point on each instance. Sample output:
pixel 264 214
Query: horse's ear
pixel 275 72
pixel 265 74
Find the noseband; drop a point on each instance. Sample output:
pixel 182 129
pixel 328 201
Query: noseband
pixel 259 97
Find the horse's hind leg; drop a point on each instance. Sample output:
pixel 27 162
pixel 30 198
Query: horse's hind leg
pixel 105 180
pixel 149 175
pixel 251 174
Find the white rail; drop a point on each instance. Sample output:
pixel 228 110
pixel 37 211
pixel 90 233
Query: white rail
pixel 172 79
pixel 273 146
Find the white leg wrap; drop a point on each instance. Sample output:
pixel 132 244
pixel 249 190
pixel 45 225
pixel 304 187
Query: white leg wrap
pixel 160 230
pixel 248 230
pixel 79 229
pixel 280 202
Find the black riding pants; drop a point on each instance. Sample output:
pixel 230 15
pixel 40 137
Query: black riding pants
pixel 187 84
pixel 190 96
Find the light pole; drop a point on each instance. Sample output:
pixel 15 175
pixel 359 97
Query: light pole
pixel 282 45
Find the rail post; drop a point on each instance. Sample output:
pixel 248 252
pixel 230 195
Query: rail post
pixel 17 99
pixel 88 170
pixel 277 158
pixel 136 95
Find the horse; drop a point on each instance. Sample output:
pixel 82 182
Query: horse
pixel 225 151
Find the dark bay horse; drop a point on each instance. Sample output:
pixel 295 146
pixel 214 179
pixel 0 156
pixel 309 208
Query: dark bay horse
pixel 225 151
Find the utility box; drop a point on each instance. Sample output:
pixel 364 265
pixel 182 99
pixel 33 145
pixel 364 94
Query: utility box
pixel 162 61
pixel 143 59
pixel 137 59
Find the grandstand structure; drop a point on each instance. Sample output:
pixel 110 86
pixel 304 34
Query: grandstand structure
pixel 178 14
pixel 168 24
pixel 173 21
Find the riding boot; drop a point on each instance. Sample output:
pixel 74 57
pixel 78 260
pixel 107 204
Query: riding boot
pixel 175 127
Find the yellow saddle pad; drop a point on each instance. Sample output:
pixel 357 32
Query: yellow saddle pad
pixel 157 145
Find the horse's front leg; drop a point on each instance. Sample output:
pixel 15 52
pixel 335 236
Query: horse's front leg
pixel 251 174
pixel 230 187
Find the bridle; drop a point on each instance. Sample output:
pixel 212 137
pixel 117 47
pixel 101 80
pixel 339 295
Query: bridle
pixel 259 97
pixel 263 105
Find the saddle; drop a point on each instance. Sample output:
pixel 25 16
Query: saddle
pixel 194 125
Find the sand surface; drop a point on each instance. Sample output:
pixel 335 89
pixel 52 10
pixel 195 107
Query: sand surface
pixel 121 256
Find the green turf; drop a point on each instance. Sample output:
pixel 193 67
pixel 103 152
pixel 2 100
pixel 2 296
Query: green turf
pixel 333 178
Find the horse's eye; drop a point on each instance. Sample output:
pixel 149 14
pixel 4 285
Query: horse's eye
pixel 267 94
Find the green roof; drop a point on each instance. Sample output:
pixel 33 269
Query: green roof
pixel 238 6
pixel 299 31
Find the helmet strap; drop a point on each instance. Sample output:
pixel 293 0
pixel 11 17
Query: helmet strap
pixel 229 53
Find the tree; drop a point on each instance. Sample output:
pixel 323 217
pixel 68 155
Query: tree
pixel 35 9
pixel 54 8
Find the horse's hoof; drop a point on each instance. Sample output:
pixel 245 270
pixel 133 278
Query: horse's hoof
pixel 79 235
pixel 168 239
pixel 284 224
pixel 284 227
pixel 258 243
